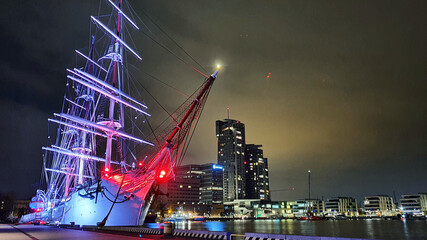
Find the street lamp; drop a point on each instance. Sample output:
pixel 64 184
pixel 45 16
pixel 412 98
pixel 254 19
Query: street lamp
pixel 309 186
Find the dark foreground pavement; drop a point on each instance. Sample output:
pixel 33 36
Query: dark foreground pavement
pixel 41 232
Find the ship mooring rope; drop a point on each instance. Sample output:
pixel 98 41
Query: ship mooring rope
pixel 115 201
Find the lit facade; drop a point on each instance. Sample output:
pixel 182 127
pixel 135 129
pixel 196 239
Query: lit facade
pixel 341 206
pixel 211 184
pixel 290 209
pixel 315 206
pixel 380 205
pixel 231 155
pixel 414 204
pixel 186 211
pixel 256 208
pixel 184 189
pixel 256 167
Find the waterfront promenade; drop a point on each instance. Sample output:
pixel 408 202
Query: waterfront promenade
pixel 307 230
pixel 41 232
pixel 44 232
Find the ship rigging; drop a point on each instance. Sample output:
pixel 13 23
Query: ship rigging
pixel 92 172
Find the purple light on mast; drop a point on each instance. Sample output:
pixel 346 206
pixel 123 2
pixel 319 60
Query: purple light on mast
pixel 116 37
pixel 90 60
pixel 111 96
pixel 123 14
pixel 106 85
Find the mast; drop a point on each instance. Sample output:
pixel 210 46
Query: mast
pixel 94 90
pixel 193 105
pixel 83 149
pixel 165 159
pixel 116 74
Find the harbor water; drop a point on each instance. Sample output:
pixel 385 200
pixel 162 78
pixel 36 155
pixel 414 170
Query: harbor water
pixel 368 229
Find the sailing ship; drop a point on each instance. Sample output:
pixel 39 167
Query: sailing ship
pixel 92 170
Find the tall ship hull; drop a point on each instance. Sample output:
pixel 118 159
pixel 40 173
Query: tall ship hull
pixel 81 209
pixel 101 168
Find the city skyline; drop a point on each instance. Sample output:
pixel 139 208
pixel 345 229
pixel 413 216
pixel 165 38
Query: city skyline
pixel 187 170
pixel 341 93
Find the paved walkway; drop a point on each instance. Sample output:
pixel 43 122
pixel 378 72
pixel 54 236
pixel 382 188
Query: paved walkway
pixel 40 232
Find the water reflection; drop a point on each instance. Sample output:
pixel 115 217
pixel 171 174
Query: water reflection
pixel 215 226
pixel 286 227
pixel 372 229
pixel 153 225
pixel 405 228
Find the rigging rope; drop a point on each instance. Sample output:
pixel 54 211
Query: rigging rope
pixel 164 32
pixel 170 38
pixel 179 58
pixel 162 82
pixel 115 201
pixel 194 126
pixel 140 84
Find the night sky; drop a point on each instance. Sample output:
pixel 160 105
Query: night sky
pixel 347 96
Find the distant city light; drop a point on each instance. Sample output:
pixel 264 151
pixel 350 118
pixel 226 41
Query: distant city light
pixel 215 166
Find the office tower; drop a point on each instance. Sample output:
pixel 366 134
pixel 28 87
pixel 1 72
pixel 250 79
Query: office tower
pixel 256 166
pixel 211 184
pixel 231 150
pixel 184 189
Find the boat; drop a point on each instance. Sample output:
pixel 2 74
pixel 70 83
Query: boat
pixel 199 218
pixel 94 171
pixel 310 216
pixel 340 217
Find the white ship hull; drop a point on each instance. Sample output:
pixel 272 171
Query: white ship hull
pixel 83 209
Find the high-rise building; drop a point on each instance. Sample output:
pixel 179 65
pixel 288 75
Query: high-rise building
pixel 211 184
pixel 256 167
pixel 184 189
pixel 231 155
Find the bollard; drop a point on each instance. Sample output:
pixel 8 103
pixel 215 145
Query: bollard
pixel 235 236
pixel 168 228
